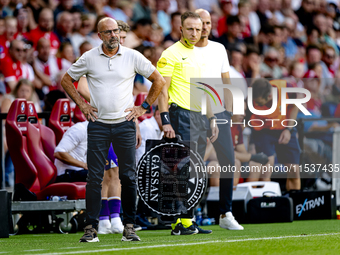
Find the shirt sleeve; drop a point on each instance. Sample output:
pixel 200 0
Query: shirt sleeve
pixel 166 64
pixel 8 72
pixel 143 66
pixel 71 139
pixel 79 68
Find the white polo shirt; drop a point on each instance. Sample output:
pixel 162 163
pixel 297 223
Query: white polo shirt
pixel 216 60
pixel 110 80
pixel 74 142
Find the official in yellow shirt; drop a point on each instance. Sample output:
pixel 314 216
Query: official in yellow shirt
pixel 178 64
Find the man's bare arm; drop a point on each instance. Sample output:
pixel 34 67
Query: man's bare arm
pixel 88 110
pixel 228 96
pixel 164 96
pixel 68 159
pixel 158 83
pixel 83 89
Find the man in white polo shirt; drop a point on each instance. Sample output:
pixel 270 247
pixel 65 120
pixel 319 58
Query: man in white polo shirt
pixel 110 70
pixel 217 66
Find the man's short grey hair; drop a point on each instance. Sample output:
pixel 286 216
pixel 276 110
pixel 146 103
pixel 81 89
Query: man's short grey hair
pixel 123 26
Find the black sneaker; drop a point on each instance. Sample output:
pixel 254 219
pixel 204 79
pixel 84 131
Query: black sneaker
pixel 181 230
pixel 129 233
pixel 200 230
pixel 90 235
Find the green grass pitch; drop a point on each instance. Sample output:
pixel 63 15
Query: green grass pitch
pixel 299 237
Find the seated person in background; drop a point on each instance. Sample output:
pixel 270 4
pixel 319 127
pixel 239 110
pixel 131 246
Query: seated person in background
pixel 242 156
pixel 70 154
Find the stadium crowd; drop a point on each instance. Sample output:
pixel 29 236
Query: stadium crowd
pixel 298 41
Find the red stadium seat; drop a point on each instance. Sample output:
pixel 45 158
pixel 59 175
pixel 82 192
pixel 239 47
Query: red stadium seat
pixel 60 119
pixel 78 116
pixel 139 100
pixel 33 168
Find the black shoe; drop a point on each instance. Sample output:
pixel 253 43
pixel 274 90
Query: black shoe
pixel 90 235
pixel 200 230
pixel 181 230
pixel 129 233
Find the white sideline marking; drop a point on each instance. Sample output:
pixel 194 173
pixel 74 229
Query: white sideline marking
pixel 186 244
pixel 36 250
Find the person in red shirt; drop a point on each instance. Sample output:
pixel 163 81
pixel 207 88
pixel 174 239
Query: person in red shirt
pixel 23 23
pixel 44 29
pixel 11 65
pixel 8 36
pixel 226 6
pixel 271 137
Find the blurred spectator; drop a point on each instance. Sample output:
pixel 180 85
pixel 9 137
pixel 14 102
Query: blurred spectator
pixel 255 24
pixel 5 39
pixel 157 36
pixel 23 23
pixel 47 66
pixel 237 78
pixel 288 43
pixel 296 73
pixel 51 98
pixel 214 21
pixel 226 7
pixel 5 10
pixel 321 23
pixel 66 6
pixel 112 10
pixel 36 7
pixel 328 57
pixel 83 35
pixel 175 33
pixel 244 10
pixel 94 7
pixel 11 64
pixel 313 35
pixel 264 13
pixel 76 15
pixel 127 7
pixel 64 27
pixel 85 46
pixel 251 63
pixel 44 29
pixel 142 10
pixel 305 13
pixel 209 5
pixel 163 18
pixel 270 68
pixel 312 84
pixel 232 37
pixel 138 34
pixel 24 89
pixel 124 29
pixel 65 51
pixel 236 58
pixel 275 8
pixel 313 56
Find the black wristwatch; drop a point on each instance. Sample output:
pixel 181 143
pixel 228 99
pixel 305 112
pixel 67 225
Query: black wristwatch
pixel 145 105
pixel 212 118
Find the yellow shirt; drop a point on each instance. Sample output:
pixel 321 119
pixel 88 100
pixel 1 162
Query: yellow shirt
pixel 181 64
